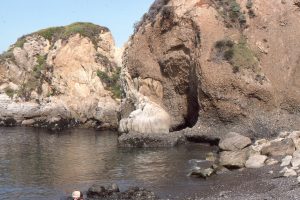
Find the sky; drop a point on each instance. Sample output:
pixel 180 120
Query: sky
pixel 20 17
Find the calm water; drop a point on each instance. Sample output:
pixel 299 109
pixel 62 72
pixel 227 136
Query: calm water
pixel 36 164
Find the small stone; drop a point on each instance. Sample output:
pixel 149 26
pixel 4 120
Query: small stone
pixel 234 141
pixel 210 157
pixel 256 161
pixel 290 172
pixel 271 172
pixel 284 134
pixel 286 161
pixel 202 173
pixel 283 170
pixel 295 168
pixel 271 161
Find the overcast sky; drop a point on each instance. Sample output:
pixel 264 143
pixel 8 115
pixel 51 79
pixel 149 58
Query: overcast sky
pixel 20 17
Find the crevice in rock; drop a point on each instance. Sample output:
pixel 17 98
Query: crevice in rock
pixel 203 139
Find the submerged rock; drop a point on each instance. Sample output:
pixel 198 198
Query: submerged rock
pixel 150 140
pixel 112 192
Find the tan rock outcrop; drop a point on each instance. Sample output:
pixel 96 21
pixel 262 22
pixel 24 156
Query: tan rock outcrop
pixel 55 71
pixel 216 67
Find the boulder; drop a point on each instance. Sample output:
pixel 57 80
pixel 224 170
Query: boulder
pixel 148 118
pixel 279 148
pixel 234 141
pixel 286 161
pixel 233 159
pixel 113 192
pixel 256 161
pixel 296 159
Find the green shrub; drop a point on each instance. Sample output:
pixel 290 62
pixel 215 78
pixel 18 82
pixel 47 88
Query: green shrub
pixel 112 82
pixel 49 33
pixel 41 65
pixel 238 55
pixel 88 30
pixel 231 12
pixel 20 42
pixel 249 4
pixel 9 92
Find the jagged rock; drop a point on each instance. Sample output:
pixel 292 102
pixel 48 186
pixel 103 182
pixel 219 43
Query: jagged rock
pixel 286 161
pixel 55 73
pixel 256 161
pixel 233 159
pixel 233 142
pixel 279 148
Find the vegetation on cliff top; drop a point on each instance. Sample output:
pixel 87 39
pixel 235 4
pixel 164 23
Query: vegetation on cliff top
pixel 53 34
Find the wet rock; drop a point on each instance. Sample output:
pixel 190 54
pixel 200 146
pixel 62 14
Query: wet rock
pixel 97 192
pixel 234 141
pixel 286 161
pixel 202 173
pixel 233 159
pixel 150 140
pixel 279 148
pixel 296 159
pixel 256 161
pixel 210 157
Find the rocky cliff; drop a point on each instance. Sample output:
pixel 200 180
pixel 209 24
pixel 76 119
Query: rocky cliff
pixel 213 66
pixel 61 76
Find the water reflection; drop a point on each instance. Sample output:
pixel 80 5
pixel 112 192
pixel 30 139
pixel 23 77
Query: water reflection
pixel 35 164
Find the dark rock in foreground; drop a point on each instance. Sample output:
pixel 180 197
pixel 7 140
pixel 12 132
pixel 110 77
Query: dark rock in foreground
pixel 151 140
pixel 112 192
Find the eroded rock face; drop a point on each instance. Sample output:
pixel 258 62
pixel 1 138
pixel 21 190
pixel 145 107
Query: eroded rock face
pixel 58 75
pixel 215 68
